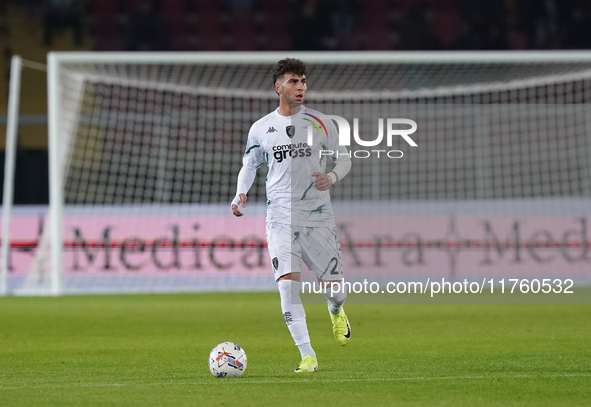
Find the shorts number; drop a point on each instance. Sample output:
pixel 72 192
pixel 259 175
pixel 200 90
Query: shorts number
pixel 334 268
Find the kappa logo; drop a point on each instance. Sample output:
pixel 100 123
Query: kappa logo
pixel 275 263
pixel 271 130
pixel 290 130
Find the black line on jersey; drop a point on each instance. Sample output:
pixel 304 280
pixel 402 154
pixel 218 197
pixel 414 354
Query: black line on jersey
pixel 248 151
pixel 306 192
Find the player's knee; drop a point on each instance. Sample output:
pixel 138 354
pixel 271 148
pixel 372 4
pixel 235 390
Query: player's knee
pixel 289 291
pixel 337 299
pixel 290 276
pixel 285 277
pixel 334 292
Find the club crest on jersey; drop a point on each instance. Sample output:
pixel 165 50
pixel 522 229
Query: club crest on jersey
pixel 290 130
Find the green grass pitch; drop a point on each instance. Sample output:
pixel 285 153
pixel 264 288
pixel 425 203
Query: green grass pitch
pixel 151 350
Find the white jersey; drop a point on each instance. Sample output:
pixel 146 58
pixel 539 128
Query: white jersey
pixel 282 143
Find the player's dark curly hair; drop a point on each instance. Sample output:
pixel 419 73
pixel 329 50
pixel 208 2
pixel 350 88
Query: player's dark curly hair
pixel 288 65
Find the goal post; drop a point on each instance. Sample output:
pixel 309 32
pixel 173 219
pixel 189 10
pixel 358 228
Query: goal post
pixel 9 167
pixel 56 198
pixel 145 149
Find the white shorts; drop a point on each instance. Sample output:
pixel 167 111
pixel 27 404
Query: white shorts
pixel 319 247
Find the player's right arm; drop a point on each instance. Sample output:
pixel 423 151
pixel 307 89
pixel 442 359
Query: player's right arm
pixel 252 160
pixel 245 179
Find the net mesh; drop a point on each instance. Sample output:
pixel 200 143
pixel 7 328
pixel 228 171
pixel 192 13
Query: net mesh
pixel 172 136
pixel 175 134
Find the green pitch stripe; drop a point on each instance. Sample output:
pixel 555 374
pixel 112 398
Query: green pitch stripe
pixel 309 380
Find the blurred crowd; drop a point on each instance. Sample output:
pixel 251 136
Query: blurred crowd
pixel 319 24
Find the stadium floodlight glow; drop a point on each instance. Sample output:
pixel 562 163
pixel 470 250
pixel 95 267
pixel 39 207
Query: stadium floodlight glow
pixel 135 137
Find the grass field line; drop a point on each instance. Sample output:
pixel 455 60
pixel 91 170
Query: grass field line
pixel 239 381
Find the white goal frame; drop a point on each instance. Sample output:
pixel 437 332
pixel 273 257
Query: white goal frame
pixel 56 60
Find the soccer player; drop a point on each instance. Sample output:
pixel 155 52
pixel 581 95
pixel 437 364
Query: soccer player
pixel 300 220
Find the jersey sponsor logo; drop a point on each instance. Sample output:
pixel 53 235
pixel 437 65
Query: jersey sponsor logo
pixel 281 152
pixel 271 130
pixel 290 130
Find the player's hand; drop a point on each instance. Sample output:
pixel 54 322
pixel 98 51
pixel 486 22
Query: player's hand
pixel 322 181
pixel 235 209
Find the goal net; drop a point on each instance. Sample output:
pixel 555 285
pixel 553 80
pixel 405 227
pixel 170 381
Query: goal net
pixel 146 147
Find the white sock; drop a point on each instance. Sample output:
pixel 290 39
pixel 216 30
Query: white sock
pixel 294 315
pixel 335 300
pixel 306 349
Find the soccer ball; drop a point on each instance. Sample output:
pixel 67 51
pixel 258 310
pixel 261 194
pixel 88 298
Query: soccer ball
pixel 227 360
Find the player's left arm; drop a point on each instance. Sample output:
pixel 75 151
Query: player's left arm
pixel 251 161
pixel 325 181
pixel 340 157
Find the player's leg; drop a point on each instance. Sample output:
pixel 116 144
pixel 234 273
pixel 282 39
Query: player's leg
pixel 336 296
pixel 295 318
pixel 286 257
pixel 321 251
